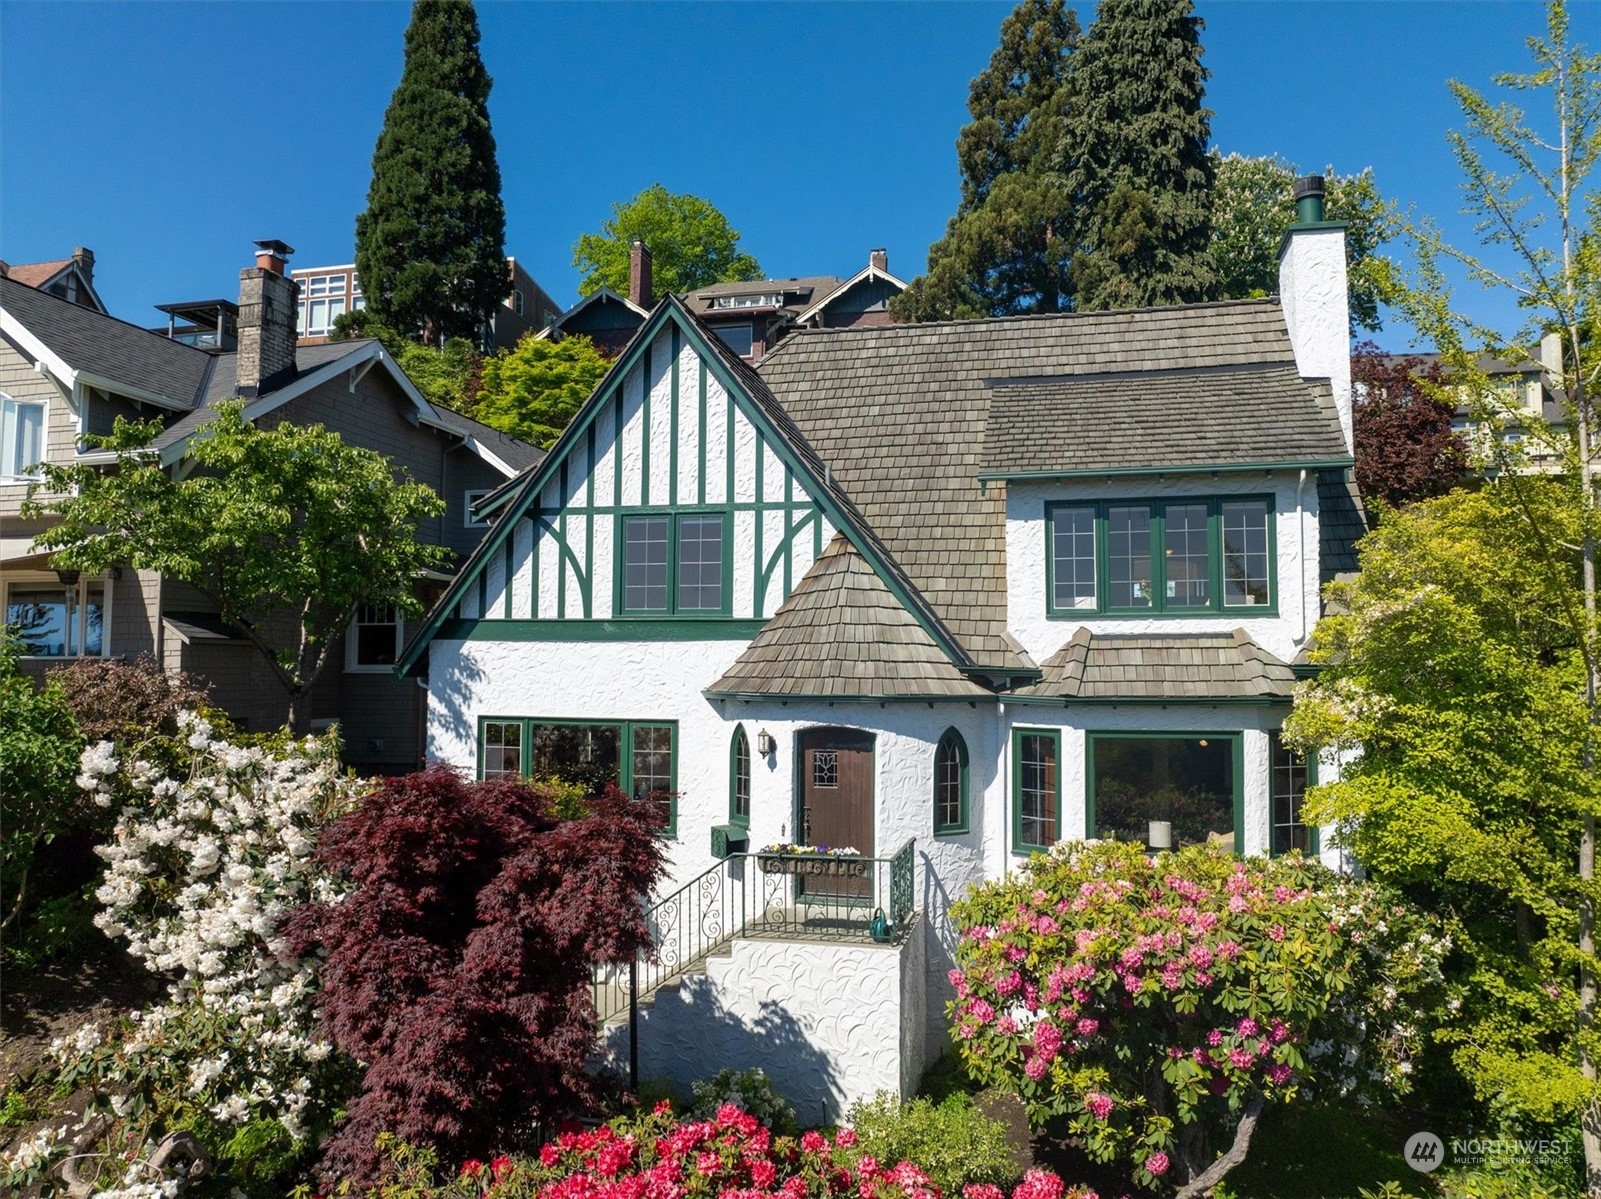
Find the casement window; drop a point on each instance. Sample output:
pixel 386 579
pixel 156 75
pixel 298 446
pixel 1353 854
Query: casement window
pixel 1189 782
pixel 21 437
pixel 1036 788
pixel 640 757
pixel 375 639
pixel 675 564
pixel 739 778
pixel 1292 775
pixel 950 784
pixel 1160 556
pixel 59 620
pixel 739 338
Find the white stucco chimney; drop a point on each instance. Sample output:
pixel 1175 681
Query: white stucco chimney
pixel 1315 296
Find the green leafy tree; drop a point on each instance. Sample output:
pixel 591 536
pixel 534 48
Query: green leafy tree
pixel 429 247
pixel 1135 154
pixel 39 748
pixel 533 391
pixel 1455 670
pixel 1530 182
pixel 1008 248
pixel 287 530
pixel 1253 203
pixel 448 375
pixel 691 245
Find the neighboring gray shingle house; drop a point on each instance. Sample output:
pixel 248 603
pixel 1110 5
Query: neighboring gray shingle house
pixel 67 370
pixel 944 594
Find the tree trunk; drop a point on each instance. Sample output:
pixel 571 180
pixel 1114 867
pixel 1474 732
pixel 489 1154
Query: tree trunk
pixel 1202 1183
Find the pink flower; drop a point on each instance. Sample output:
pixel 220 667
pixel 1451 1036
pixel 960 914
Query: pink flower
pixel 1037 1067
pixel 1088 1027
pixel 1237 904
pixel 1039 1184
pixel 1242 1058
pixel 1098 1105
pixel 1228 950
pixel 1011 984
pixel 1201 956
pixel 1006 1026
pixel 1248 1027
pixel 1203 978
pixel 1282 895
pixel 1047 1040
pixel 1279 1074
pixel 866 1166
pixel 845 1138
pixel 981 1190
pixel 1276 932
pixel 1281 1030
pixel 1157 1164
pixel 763 1173
pixel 813 1140
pixel 1215 1037
pixel 707 1162
pixel 981 1011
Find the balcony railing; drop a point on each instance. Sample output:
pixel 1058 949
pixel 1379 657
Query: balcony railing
pixel 793 896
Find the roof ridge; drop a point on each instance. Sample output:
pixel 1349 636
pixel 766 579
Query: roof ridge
pixel 1026 317
pixel 106 316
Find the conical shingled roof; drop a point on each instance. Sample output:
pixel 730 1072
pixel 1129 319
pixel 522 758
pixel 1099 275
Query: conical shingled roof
pixel 842 634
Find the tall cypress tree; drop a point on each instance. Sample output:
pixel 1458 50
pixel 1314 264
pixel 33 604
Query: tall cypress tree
pixel 1135 153
pixel 1008 248
pixel 430 247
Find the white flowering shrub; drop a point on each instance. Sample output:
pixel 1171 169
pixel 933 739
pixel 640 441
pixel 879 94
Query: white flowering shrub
pixel 200 872
pixel 749 1090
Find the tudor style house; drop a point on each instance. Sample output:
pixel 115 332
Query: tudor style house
pixel 67 370
pixel 937 596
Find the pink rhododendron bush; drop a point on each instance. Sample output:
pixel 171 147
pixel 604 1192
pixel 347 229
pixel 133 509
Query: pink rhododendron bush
pixel 1153 1006
pixel 659 1155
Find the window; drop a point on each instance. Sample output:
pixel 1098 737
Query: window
pixel 21 437
pixel 738 338
pixel 739 778
pixel 468 499
pixel 59 620
pixel 675 563
pixel 1036 788
pixel 950 784
pixel 639 757
pixel 357 300
pixel 1292 774
pixel 1188 781
pixel 375 640
pixel 768 299
pixel 515 300
pixel 322 300
pixel 1176 557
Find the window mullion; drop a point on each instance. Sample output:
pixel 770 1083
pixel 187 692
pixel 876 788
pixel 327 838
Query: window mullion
pixel 1103 560
pixel 1214 554
pixel 1158 555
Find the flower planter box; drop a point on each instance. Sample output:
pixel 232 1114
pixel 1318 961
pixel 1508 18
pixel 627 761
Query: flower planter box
pixel 819 865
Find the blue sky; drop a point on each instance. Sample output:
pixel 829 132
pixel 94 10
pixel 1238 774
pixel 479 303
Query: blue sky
pixel 167 137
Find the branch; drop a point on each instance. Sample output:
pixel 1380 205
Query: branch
pixel 22 894
pixel 1203 1182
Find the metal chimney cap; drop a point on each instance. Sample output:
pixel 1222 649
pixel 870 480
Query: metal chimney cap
pixel 274 246
pixel 1309 185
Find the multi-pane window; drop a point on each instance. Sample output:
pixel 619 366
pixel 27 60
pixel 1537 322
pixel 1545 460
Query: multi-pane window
pixel 1289 783
pixel 825 768
pixel 1177 556
pixel 675 564
pixel 375 640
pixel 739 782
pixel 638 757
pixel 58 620
pixel 21 437
pixel 322 298
pixel 1035 788
pixel 950 784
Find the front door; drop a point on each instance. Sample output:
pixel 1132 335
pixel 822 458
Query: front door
pixel 836 796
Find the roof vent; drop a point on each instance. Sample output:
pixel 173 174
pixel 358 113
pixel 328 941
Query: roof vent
pixel 1309 192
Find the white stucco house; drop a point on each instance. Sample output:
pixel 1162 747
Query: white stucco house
pixel 943 594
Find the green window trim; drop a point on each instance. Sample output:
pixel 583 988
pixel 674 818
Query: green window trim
pixel 739 778
pixel 625 750
pixel 950 774
pixel 1274 793
pixel 1157 532
pixel 1054 817
pixel 1236 742
pixel 676 520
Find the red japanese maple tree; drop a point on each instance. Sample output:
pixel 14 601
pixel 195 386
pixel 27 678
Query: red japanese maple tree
pixel 1405 447
pixel 458 968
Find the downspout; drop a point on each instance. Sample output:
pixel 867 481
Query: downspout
pixel 1300 521
pixel 1005 732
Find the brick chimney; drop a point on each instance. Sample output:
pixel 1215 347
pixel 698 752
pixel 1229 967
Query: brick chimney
pixel 878 260
pixel 641 287
pixel 1314 297
pixel 84 259
pixel 267 309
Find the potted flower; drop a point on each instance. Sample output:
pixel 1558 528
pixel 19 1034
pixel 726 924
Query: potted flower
pixel 786 858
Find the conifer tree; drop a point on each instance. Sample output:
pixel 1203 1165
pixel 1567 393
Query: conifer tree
pixel 430 246
pixel 1008 247
pixel 1135 153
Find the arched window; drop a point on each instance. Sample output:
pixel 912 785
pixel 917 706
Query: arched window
pixel 739 778
pixel 950 784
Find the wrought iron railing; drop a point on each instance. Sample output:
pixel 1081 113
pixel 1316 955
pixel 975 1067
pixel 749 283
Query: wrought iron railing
pixel 799 896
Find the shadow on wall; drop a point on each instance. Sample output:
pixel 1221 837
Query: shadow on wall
pixel 774 1040
pixel 449 718
pixel 940 945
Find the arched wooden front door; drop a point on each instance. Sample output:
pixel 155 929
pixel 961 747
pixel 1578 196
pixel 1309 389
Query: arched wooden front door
pixel 836 801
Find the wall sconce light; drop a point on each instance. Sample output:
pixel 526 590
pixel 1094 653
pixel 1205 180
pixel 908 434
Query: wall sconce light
pixel 765 745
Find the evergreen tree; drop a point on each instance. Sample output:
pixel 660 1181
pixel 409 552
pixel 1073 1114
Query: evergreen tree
pixel 1135 154
pixel 429 248
pixel 1009 245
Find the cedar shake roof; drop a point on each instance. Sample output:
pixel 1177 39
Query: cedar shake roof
pixel 1213 416
pixel 1162 666
pixel 113 350
pixel 842 634
pixel 35 273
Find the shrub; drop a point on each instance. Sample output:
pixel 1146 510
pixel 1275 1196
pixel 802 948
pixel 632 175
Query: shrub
pixel 458 969
pixel 954 1142
pixel 749 1090
pixel 1155 1005
pixel 128 701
